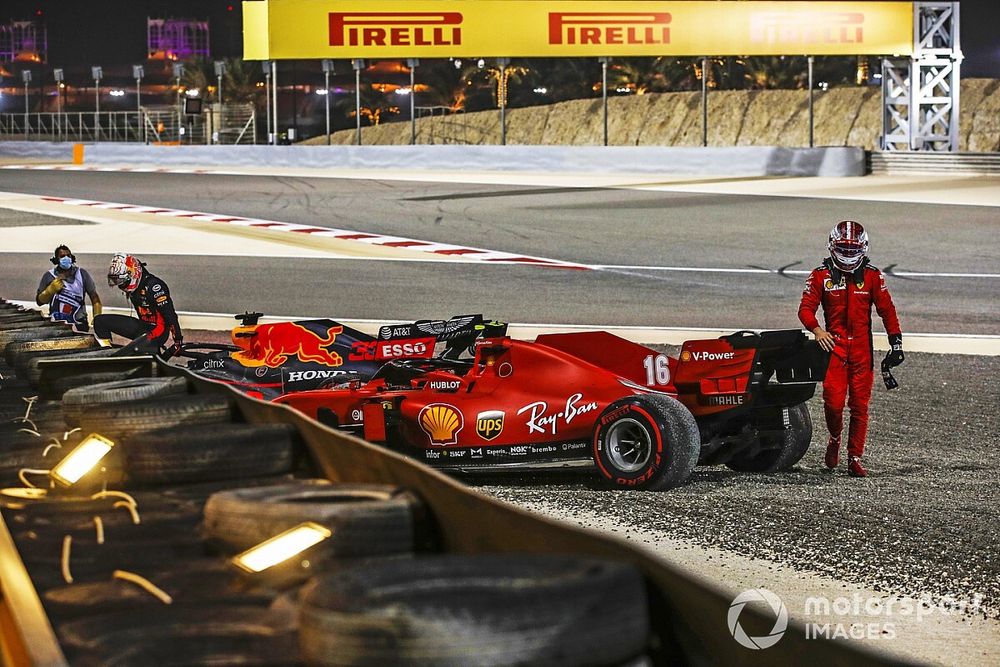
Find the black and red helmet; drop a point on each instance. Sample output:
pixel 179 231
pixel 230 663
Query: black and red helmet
pixel 848 245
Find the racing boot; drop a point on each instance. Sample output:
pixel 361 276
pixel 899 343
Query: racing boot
pixel 832 453
pixel 854 467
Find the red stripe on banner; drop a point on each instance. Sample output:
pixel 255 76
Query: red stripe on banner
pixel 310 230
pixel 159 210
pixel 228 219
pixel 266 224
pixel 458 251
pixel 403 244
pixel 189 215
pixel 56 199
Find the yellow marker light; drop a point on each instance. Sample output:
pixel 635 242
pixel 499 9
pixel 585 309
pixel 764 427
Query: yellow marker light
pixel 81 460
pixel 281 547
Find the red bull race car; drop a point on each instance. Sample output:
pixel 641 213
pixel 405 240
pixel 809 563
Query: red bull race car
pixel 268 360
pixel 643 419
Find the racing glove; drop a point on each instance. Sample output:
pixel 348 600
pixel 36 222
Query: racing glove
pixel 175 349
pixel 892 359
pixel 50 291
pixel 895 356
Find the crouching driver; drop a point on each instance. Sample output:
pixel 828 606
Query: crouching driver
pixel 847 287
pixel 151 300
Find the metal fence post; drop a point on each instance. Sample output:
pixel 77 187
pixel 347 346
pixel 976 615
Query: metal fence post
pixel 704 101
pixel 604 94
pixel 358 65
pixel 413 63
pixel 810 61
pixel 327 69
pixel 502 94
pixel 274 100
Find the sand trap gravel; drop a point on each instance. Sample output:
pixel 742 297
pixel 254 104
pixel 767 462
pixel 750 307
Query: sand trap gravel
pixel 935 636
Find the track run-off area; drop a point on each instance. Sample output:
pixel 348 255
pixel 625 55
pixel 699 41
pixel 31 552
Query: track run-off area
pixel 657 261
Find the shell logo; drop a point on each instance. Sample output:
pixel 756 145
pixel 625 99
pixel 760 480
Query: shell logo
pixel 441 422
pixel 685 356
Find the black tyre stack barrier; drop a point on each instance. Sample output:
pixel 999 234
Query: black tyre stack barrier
pixel 418 569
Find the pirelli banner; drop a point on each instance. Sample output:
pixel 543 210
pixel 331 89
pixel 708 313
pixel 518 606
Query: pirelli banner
pixel 305 29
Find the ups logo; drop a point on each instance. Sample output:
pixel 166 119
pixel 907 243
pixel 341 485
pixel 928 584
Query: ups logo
pixel 489 424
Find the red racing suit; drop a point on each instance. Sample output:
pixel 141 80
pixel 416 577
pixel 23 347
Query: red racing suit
pixel 847 300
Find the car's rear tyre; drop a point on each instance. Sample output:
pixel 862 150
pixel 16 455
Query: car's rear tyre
pixel 788 448
pixel 647 441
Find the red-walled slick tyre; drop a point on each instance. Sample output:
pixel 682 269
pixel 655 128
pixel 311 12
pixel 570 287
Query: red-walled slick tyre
pixel 647 441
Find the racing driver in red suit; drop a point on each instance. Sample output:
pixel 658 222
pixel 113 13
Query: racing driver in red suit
pixel 149 296
pixel 847 287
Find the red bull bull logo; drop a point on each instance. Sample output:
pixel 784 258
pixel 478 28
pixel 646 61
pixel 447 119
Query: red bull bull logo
pixel 274 344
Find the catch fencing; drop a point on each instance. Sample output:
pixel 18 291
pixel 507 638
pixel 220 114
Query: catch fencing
pixel 230 124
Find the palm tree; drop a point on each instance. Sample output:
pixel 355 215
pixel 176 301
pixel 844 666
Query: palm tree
pixel 239 83
pixel 482 74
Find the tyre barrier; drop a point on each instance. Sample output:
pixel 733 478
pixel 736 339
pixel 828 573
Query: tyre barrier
pixel 133 570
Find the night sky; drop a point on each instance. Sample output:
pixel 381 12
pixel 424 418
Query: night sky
pixel 110 32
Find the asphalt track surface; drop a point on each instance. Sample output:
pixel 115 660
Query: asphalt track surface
pixel 619 227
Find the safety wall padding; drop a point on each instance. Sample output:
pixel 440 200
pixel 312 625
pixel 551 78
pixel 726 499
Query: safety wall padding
pixel 730 161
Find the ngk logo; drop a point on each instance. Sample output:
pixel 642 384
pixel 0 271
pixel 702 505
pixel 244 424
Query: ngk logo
pixel 811 28
pixel 607 28
pixel 395 28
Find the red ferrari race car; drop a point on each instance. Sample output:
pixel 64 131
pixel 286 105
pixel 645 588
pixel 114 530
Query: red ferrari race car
pixel 642 418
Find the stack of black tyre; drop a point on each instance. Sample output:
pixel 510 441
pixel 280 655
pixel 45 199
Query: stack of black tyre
pixel 205 484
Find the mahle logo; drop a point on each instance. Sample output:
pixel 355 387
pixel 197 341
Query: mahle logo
pixel 780 622
pixel 395 28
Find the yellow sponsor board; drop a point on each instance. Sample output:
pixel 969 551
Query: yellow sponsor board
pixel 284 29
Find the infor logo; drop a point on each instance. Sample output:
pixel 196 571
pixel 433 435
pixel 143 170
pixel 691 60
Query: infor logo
pixel 780 623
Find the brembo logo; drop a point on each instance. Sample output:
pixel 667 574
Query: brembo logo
pixel 395 28
pixel 609 28
pixel 811 28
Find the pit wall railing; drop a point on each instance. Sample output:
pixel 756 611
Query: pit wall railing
pixel 688 615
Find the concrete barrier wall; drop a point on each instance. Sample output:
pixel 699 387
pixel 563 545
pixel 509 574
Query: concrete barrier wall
pixel 730 161
pixel 42 150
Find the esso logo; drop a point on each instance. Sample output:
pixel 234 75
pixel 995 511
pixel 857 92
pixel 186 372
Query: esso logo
pixel 396 350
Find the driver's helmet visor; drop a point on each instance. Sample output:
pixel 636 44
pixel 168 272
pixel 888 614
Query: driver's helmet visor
pixel 848 249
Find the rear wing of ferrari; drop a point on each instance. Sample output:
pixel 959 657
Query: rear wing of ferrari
pixel 767 368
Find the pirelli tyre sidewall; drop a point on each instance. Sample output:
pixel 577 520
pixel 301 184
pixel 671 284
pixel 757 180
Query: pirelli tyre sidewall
pixel 647 441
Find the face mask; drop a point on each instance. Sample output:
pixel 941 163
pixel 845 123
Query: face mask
pixel 65 262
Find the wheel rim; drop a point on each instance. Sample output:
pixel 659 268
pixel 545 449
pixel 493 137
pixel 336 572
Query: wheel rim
pixel 629 445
